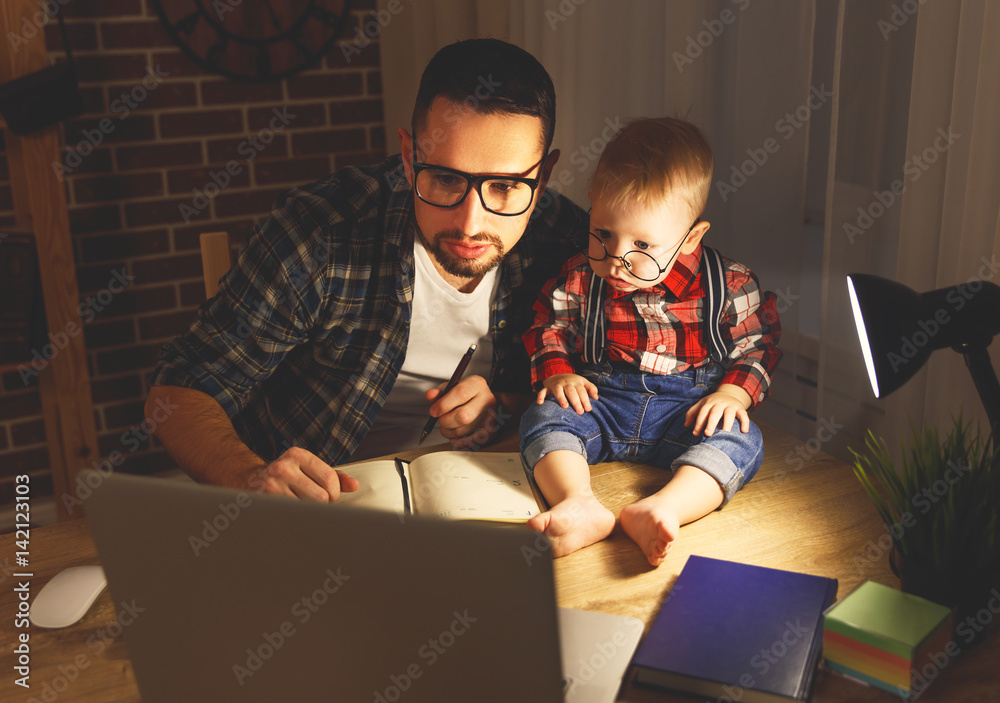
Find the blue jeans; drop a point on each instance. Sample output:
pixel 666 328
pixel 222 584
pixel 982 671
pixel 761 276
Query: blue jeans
pixel 640 417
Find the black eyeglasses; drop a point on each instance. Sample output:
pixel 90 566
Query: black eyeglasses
pixel 446 187
pixel 638 263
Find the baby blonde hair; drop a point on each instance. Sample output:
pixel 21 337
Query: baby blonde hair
pixel 652 160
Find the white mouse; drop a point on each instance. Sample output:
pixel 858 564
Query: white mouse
pixel 67 596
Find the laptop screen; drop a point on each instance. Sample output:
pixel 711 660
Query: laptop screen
pixel 261 598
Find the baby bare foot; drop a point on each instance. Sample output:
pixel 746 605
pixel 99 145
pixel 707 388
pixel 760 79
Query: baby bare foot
pixel 652 526
pixel 574 523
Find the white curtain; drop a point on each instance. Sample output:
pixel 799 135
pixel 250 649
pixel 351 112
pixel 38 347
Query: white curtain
pixel 809 109
pixel 917 108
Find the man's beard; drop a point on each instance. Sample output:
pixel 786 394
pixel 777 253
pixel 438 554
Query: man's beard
pixel 457 266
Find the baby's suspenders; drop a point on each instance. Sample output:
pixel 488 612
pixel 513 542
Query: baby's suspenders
pixel 714 282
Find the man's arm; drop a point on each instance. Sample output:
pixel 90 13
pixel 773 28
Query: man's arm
pixel 202 440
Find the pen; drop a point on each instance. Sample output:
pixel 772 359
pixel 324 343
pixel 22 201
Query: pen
pixel 455 377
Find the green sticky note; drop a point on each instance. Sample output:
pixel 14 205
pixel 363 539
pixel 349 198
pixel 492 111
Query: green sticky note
pixel 885 618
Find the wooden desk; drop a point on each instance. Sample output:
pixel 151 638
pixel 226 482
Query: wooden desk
pixel 815 519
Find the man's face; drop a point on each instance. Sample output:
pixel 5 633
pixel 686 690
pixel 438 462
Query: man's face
pixel 467 240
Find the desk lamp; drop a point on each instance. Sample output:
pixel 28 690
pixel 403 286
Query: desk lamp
pixel 899 328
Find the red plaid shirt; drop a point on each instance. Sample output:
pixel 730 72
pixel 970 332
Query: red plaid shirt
pixel 660 329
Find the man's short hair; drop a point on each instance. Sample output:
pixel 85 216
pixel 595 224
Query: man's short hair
pixel 651 160
pixel 488 76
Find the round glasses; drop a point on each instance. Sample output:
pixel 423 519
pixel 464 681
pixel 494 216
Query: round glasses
pixel 638 263
pixel 446 187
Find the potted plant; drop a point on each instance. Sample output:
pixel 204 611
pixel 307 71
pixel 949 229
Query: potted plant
pixel 942 508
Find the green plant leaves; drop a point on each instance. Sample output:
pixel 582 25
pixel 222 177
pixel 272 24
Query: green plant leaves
pixel 942 505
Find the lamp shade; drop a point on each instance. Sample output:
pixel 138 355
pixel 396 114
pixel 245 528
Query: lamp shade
pixel 899 328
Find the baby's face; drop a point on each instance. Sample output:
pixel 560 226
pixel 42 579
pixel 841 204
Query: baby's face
pixel 660 232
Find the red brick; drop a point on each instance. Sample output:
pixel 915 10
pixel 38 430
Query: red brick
pixel 186 180
pixel 3 440
pixel 24 461
pixel 117 187
pixel 101 218
pixel 192 293
pixel 102 8
pixel 93 101
pixel 291 171
pixel 41 486
pixel 348 111
pixel 186 124
pixel 82 37
pixel 245 203
pixel 124 244
pixel 222 150
pixel 158 212
pixel 120 388
pixel 108 130
pixel 328 141
pixel 368 158
pixel 99 68
pixel 159 155
pixel 364 56
pixel 124 415
pixel 325 85
pixel 17 405
pixel 374 83
pixel 299 116
pixel 75 163
pixel 107 443
pixel 377 137
pixel 93 279
pixel 129 359
pixel 6 198
pixel 109 334
pixel 130 302
pixel 168 268
pixel 165 326
pixel 227 91
pixel 177 65
pixel 4 173
pixel 24 433
pixel 141 34
pixel 13 381
pixel 124 96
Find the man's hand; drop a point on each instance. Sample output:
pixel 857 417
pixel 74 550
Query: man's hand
pixel 467 414
pixel 727 403
pixel 569 389
pixel 300 473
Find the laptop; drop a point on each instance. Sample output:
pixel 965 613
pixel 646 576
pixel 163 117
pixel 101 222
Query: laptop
pixel 260 598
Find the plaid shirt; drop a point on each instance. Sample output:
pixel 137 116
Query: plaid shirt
pixel 308 332
pixel 660 329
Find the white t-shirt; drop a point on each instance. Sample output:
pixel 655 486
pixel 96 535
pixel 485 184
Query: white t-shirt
pixel 445 322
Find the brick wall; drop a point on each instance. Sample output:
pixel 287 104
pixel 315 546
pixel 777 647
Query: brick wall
pixel 128 177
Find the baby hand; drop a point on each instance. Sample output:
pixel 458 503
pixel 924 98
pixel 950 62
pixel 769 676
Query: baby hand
pixel 727 403
pixel 569 389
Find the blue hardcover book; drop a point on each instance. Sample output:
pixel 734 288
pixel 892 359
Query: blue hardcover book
pixel 734 631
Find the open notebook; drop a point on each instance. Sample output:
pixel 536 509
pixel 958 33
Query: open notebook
pixel 294 600
pixel 454 485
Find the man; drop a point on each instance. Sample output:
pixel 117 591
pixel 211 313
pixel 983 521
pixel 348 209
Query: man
pixel 338 308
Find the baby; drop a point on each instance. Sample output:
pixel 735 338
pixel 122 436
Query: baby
pixel 648 347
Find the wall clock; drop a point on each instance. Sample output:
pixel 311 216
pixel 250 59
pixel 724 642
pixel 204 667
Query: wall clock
pixel 254 41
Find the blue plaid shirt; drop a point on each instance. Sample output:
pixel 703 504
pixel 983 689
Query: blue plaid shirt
pixel 308 332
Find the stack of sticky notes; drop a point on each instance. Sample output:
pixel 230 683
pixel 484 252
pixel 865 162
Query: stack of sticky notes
pixel 887 638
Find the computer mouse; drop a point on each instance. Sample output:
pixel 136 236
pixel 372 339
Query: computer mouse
pixel 67 596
